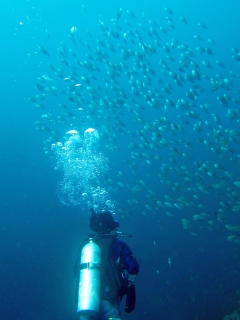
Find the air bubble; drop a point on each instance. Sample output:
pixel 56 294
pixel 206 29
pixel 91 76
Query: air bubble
pixel 82 166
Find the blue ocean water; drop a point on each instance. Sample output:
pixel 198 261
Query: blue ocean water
pixel 185 273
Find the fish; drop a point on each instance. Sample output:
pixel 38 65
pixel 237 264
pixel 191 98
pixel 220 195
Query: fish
pixel 43 50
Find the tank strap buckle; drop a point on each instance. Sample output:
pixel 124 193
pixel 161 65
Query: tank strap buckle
pixel 89 265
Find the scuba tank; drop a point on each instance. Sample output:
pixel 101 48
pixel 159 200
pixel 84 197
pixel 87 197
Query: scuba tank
pixel 89 280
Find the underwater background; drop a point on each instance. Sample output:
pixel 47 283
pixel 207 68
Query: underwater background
pixel 159 81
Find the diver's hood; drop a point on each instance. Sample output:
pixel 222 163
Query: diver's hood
pixel 103 222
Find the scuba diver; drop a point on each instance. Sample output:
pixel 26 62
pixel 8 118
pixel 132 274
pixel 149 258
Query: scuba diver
pixel 105 268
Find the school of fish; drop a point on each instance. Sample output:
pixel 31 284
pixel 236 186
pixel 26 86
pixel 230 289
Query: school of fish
pixel 167 113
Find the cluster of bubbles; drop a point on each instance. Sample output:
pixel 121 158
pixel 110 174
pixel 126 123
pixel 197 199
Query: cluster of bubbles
pixel 82 167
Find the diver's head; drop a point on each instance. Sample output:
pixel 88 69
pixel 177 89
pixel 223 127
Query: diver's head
pixel 103 222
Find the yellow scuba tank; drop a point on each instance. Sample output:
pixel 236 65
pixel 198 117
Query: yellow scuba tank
pixel 89 280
